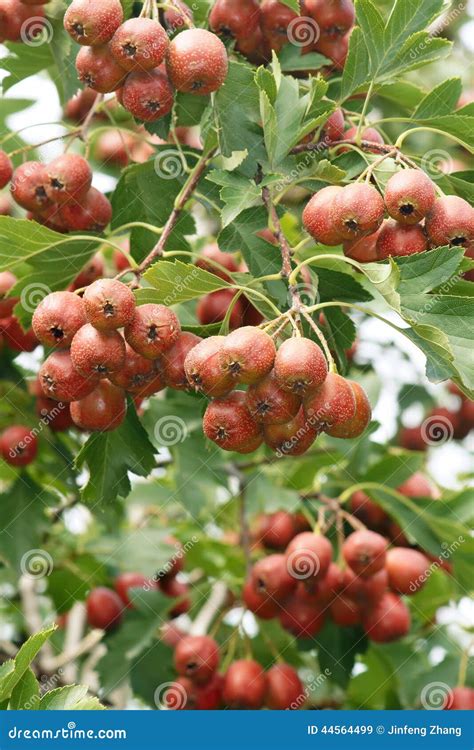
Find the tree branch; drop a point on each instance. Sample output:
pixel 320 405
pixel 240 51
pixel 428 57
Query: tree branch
pixel 286 252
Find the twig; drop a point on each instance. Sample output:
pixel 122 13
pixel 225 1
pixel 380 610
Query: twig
pixel 89 642
pixel 322 339
pixel 32 615
pixel 286 267
pixel 76 622
pixel 206 615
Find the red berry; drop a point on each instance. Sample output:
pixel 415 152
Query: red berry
pixel 357 424
pixel 367 134
pixel 275 19
pixel 247 355
pixel 6 169
pixel 300 366
pixel 16 337
pixel 278 530
pixel 172 361
pixel 366 510
pixel 271 577
pixel 91 214
pixel 126 581
pixel 229 424
pixel 409 196
pixel 213 253
pixel 212 308
pixel 19 445
pixel 245 685
pixel 58 318
pixel 97 69
pixel 334 126
pixel 203 370
pixel 28 186
pixel 197 62
pixel 418 486
pixel 197 657
pixel 176 590
pixel 96 352
pixel 268 403
pixel 336 49
pixel 140 376
pixel 60 380
pixel 345 612
pixel 301 618
pixel 357 209
pixel 175 19
pixel 102 410
pixel 451 222
pixel 69 177
pixel 407 570
pixel 235 18
pixel 387 620
pixel 365 551
pixel 56 414
pixel 259 603
pixel 14 17
pixel 363 250
pixel 284 688
pixel 79 106
pixel 460 699
pixel 91 23
pixel 147 94
pixel 139 44
pixel 334 17
pixel 396 239
pixel 317 217
pixel 104 608
pixel 7 281
pixel 332 405
pixel 153 330
pixel 92 271
pixel 293 438
pixel 364 590
pixel 109 304
pixel 308 556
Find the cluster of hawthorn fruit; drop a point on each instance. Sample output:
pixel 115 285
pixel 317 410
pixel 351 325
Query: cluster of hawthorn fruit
pixel 441 424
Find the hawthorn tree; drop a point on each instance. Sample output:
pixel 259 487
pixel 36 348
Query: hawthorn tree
pixel 186 417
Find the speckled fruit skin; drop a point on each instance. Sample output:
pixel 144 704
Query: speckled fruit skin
pixel 406 569
pixel 28 186
pixel 96 352
pixel 247 354
pixel 172 361
pixel 245 684
pixel 126 581
pixel 396 239
pixel 97 69
pixel 317 216
pixel 309 555
pixel 6 169
pixel 275 18
pixel 357 209
pixel 460 699
pixel 451 222
pixel 363 250
pixel 60 380
pixel 212 253
pixel 293 438
pixel 334 126
pixel 409 196
pixel 228 423
pixel 109 304
pixel 197 62
pixel 7 281
pixel 139 44
pixel 174 19
pixel 102 410
pixel 357 424
pixel 19 447
pixel 138 374
pixel 332 404
pixel 58 318
pixel 270 577
pixel 92 23
pixel 148 95
pixel 300 366
pixel 345 612
pixel 387 620
pixel 365 552
pixel 57 415
pixel 197 657
pixel 202 368
pixel 93 213
pixel 69 177
pixel 235 18
pixel 334 17
pixel 284 688
pixel 268 403
pixel 212 308
pixel 259 603
pixel 153 330
pixel 302 619
pixel 104 608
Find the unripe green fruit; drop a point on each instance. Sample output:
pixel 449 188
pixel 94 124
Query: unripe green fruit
pixel 57 319
pixel 102 410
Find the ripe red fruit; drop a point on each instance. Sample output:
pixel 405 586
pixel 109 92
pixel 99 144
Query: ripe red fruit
pixel 176 590
pixel 212 253
pixel 364 590
pixel 126 581
pixel 271 577
pixel 58 318
pixel 275 19
pixel 308 556
pixel 357 424
pixel 317 218
pixel 79 106
pixel 363 250
pixel 418 486
pixel 259 603
pixel 60 380
pixel 396 239
pixel 56 414
pixel 409 196
pixel 412 439
pixel 334 126
pixel 92 271
pixel 28 186
pixel 153 330
pixel 268 403
pixel 365 551
pixel 176 18
pixel 247 355
pixel 16 338
pixel 235 18
pixel 197 657
pixel 6 206
pixel 366 510
pixel 91 214
pixel 367 134
pixel 14 14
pixel 91 23
pixel 336 49
pixel 97 69
pixel 451 222
pixel 172 361
pixel 6 169
pixel 197 62
pixel 387 620
pixel 460 699
pixel 102 410
pixel 229 424
pixel 7 281
pixel 109 304
pixel 139 44
pixel 334 17
pixel 357 209
pixel 18 445
pixel 300 366
pixel 345 612
pixel 96 352
pixel 407 570
pixel 284 688
pixel 302 619
pixel 147 94
pixel 140 376
pixel 245 684
pixel 278 530
pixel 104 608
pixel 212 308
pixel 333 404
pixel 69 177
pixel 293 438
pixel 202 367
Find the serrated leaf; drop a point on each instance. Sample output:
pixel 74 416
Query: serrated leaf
pixel 25 696
pixel 175 282
pixel 23 659
pixel 23 520
pixel 242 235
pixel 292 61
pixel 420 273
pixel 70 698
pixel 237 193
pixel 441 100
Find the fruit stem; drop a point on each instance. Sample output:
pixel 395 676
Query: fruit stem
pixel 31 146
pixel 364 112
pixel 368 172
pixel 354 522
pixel 322 340
pixel 406 133
pixel 225 323
pixel 172 5
pixel 261 296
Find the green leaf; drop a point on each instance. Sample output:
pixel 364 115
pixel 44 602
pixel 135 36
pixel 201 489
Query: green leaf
pixel 25 696
pixel 23 520
pixel 337 649
pixel 175 282
pixel 260 256
pixel 459 126
pixel 394 470
pixel 109 457
pixel 72 580
pixel 23 659
pixel 423 272
pixel 238 193
pixel 25 61
pixel 441 100
pixel 292 61
pixel 155 660
pixel 70 698
pixel 357 68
